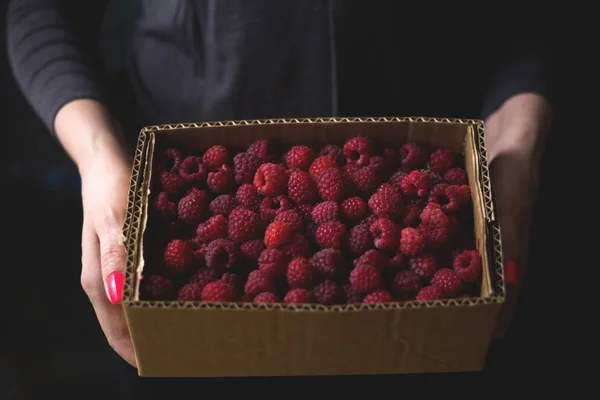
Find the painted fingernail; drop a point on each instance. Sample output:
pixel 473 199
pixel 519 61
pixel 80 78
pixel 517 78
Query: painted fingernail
pixel 511 273
pixel 115 283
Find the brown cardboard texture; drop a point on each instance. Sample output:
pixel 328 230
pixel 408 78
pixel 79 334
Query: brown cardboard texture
pixel 186 339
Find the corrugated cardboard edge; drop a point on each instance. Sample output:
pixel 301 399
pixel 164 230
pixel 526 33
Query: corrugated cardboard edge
pixel 136 215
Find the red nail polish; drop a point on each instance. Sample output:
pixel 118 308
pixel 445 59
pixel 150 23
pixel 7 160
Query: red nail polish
pixel 511 273
pixel 115 283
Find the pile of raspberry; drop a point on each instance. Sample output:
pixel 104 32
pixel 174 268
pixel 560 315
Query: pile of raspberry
pixel 355 223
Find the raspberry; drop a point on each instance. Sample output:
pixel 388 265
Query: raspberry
pixel 352 296
pixel 378 296
pixel 436 179
pixel 302 189
pixel 330 184
pixel 244 225
pixel 244 167
pixel 298 296
pixel 178 257
pixel 222 255
pixel 193 171
pixel 300 273
pixel 379 164
pixel 353 209
pixel 271 179
pixel 213 228
pixel 360 240
pixel 456 176
pixel 330 235
pixel 164 207
pixel 467 266
pixel 272 262
pixel 298 246
pixel 411 242
pixel 406 284
pixel 171 184
pixel 198 249
pixel 365 278
pixel 386 234
pixel 417 183
pixel 271 206
pixel 424 265
pixel 156 287
pixel 203 277
pixel 277 234
pixel 348 170
pixel 397 261
pixel 368 220
pixel 328 293
pixel 305 210
pixel 169 161
pixel 218 291
pixel 330 263
pixel 223 204
pixel 221 181
pixel 446 196
pixel 358 150
pixel 412 156
pixel 215 157
pixel 266 298
pixel 397 178
pixel 441 160
pixel 435 225
pixel 292 218
pixel 366 179
pixel 429 293
pixel 334 152
pixel 264 149
pixel 411 215
pixel 192 207
pixel 236 280
pixel 190 292
pixel 299 157
pixel 320 164
pixel 327 211
pixel 248 197
pixel 446 280
pixel 372 257
pixel 252 249
pixel 386 202
pixel 258 282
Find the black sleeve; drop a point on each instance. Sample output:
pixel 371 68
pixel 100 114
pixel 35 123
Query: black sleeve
pixel 52 51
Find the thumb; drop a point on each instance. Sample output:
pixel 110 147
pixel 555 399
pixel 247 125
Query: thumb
pixel 112 261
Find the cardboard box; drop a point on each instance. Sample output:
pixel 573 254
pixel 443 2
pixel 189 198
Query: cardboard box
pixel 177 339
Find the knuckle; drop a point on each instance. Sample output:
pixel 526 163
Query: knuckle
pixel 112 258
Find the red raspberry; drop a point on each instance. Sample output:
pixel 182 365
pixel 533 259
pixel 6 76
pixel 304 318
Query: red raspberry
pixel 411 215
pixel 386 202
pixel 436 178
pixel 171 184
pixel 244 225
pixel 298 296
pixel 424 265
pixel 252 249
pixel 248 197
pixel 299 157
pixel 368 220
pixel 396 262
pixel 327 211
pixel 203 277
pixel 366 179
pixel 271 179
pixel 445 196
pixel 178 257
pixel 273 262
pixel 218 291
pixel 216 157
pixel 430 293
pixel 406 284
pixel 379 164
pixel 297 247
pixel 360 240
pixel 266 298
pixel 386 234
pixel 302 189
pixel 193 171
pixel 378 296
pixel 222 255
pixel 271 206
pixel 330 184
pixel 467 266
pixel 198 249
pixel 320 164
pixel 235 280
pixel 264 149
pixel 277 234
pixel 244 167
pixel 397 178
pixel 365 278
pixel 213 228
pixel 300 273
pixel 456 176
pixel 328 293
pixel 435 225
pixel 352 296
pixel 334 152
pixel 190 292
pixel 192 207
pixel 447 281
pixel 348 170
pixel 221 181
pixel 441 160
pixel 412 156
pixel 305 210
pixel 258 282
pixel 358 150
pixel 372 257
pixel 330 263
pixel 164 207
pixel 156 287
pixel 292 218
pixel 330 235
pixel 169 161
pixel 411 242
pixel 223 204
pixel 353 209
pixel 417 183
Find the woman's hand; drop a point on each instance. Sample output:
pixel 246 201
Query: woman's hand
pixel 515 140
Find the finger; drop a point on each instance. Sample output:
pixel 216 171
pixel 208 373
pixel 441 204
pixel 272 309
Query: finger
pixel 112 255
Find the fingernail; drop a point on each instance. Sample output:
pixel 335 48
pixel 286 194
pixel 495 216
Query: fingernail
pixel 115 283
pixel 511 273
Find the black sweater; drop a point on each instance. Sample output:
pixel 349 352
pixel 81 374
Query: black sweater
pixel 201 60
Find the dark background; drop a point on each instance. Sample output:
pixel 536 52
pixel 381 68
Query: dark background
pixel 50 343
